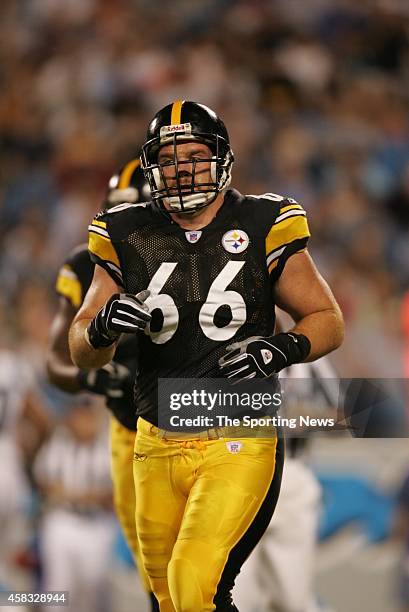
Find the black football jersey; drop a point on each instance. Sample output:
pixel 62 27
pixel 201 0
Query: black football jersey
pixel 73 281
pixel 208 288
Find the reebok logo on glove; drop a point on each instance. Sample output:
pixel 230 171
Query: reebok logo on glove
pixel 259 357
pixel 266 355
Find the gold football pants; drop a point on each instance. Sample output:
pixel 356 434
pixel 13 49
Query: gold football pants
pixel 122 450
pixel 196 498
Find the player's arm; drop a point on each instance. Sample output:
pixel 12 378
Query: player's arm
pixel 34 427
pixel 302 292
pixel 37 415
pixel 112 379
pixel 104 315
pixel 61 371
pixel 83 353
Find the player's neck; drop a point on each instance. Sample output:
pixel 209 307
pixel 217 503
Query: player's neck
pixel 201 218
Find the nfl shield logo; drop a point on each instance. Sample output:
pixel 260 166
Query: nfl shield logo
pixel 193 236
pixel 234 447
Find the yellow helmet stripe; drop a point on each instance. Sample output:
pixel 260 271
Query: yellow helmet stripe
pixel 176 114
pixel 127 172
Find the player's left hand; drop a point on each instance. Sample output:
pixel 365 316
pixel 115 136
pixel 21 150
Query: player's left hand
pixel 114 380
pixel 120 380
pixel 258 357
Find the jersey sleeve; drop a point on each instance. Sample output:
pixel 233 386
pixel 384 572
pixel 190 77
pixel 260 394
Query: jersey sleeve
pixel 102 251
pixel 75 276
pixel 288 235
pixel 69 286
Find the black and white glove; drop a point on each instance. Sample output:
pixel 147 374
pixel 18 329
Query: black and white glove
pixel 123 313
pixel 259 357
pixel 114 380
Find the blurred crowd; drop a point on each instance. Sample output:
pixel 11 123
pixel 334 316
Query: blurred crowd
pixel 314 95
pixel 315 98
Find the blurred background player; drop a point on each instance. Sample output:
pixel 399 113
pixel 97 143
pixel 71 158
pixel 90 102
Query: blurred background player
pixel 78 528
pixel 115 380
pixel 23 426
pixel 279 574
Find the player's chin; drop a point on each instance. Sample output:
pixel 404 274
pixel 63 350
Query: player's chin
pixel 189 213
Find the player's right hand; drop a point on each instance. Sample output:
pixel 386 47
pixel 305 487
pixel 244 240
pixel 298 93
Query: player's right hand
pixel 123 313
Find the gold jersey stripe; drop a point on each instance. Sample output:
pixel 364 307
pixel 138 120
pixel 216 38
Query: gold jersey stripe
pixel 99 223
pixel 273 265
pixel 290 207
pixel 287 231
pixel 69 286
pixel 176 114
pixel 126 174
pixel 102 247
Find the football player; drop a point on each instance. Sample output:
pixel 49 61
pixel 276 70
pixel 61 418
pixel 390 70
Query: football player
pixel 24 425
pixel 199 271
pixel 115 379
pixel 286 554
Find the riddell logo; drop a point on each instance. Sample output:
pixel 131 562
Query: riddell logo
pixel 179 127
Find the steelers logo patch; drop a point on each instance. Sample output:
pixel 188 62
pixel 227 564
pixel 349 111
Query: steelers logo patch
pixel 235 241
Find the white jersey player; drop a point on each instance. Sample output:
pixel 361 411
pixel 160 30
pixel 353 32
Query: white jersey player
pixel 279 573
pixel 18 402
pixel 78 526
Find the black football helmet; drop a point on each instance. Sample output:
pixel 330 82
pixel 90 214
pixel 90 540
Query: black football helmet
pixel 184 121
pixel 127 185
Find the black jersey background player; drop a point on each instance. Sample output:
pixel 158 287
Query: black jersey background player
pixel 200 270
pixel 116 379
